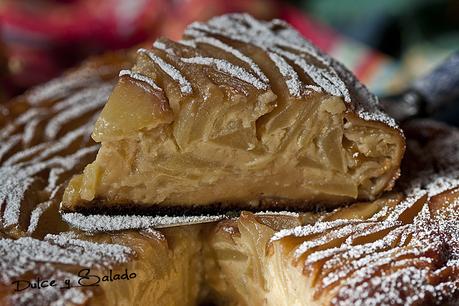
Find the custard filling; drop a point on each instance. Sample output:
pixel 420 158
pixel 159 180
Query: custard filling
pixel 233 151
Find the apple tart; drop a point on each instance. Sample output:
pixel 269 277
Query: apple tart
pixel 402 249
pixel 239 113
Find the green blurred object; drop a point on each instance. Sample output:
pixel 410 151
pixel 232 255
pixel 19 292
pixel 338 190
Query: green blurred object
pixel 392 26
pixel 343 10
pixel 416 34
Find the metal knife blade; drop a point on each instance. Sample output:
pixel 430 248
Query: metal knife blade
pixel 428 94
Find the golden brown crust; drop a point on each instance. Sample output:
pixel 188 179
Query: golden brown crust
pixel 101 206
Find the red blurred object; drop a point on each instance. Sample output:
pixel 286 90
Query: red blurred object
pixel 322 36
pixel 183 12
pixel 111 23
pixel 43 37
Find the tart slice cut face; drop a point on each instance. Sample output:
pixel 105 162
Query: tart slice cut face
pixel 241 113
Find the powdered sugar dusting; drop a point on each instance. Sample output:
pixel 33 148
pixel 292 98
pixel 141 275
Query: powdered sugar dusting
pixel 40 150
pixel 36 215
pixel 162 46
pixel 101 223
pixel 37 257
pixel 227 67
pixel 289 74
pixel 280 213
pixel 281 42
pixel 58 88
pixel 83 104
pixel 227 48
pixel 19 178
pixel 326 80
pixel 171 71
pixel 140 77
pixel 302 66
pixel 48 143
pixel 6 146
pixel 268 36
pixel 377 115
pixel 64 248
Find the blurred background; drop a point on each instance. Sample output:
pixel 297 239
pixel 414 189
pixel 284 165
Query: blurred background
pixel 385 43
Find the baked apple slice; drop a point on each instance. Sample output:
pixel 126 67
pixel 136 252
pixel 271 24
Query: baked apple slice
pixel 240 113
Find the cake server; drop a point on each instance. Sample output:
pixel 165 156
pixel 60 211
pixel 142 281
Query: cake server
pixel 103 223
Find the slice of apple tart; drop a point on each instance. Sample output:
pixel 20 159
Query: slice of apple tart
pixel 239 113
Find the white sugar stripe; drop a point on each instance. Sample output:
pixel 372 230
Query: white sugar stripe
pixel 64 142
pixel 28 254
pixel 292 40
pixel 264 35
pixel 60 87
pixel 342 232
pixel 6 131
pixel 30 129
pixel 54 176
pixel 51 158
pixel 313 87
pixel 227 67
pixel 328 82
pixel 188 43
pixel 285 37
pixel 60 168
pixel 24 154
pixel 6 146
pixel 162 46
pixel 291 77
pixel 20 177
pixel 78 109
pixel 236 53
pixel 199 30
pixel 140 77
pixel 96 92
pixel 21 120
pixel 194 33
pixel 311 229
pixel 171 71
pixel 36 215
